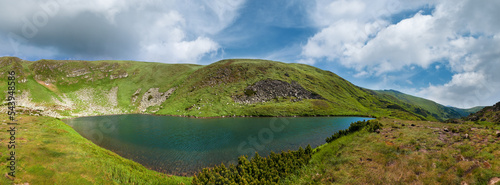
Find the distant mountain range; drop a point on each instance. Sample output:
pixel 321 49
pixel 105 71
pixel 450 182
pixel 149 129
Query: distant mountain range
pixel 233 87
pixel 440 111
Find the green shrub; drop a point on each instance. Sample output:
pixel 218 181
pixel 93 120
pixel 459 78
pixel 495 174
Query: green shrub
pixel 258 170
pixel 371 126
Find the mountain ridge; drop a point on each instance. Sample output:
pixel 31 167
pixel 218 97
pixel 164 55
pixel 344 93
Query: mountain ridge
pixel 65 88
pixel 444 112
pixel 487 114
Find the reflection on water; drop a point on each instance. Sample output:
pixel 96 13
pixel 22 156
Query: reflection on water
pixel 182 146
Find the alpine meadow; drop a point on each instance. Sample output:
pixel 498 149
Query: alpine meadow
pixel 249 92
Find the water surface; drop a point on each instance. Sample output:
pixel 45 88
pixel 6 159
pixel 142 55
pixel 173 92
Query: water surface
pixel 182 146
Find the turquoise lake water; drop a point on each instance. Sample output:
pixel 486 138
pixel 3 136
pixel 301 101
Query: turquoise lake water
pixel 182 146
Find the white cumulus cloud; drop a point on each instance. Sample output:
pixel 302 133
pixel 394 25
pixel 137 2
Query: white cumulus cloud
pixel 153 30
pixel 462 35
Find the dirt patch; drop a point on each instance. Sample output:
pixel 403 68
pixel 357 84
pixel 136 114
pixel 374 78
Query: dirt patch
pixel 228 63
pixel 48 85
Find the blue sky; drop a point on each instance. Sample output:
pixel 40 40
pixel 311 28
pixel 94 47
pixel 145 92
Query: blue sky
pixel 446 51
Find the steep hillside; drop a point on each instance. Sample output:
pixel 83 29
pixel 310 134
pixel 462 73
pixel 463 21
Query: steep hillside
pixel 225 88
pixel 437 110
pixel 80 88
pixel 488 114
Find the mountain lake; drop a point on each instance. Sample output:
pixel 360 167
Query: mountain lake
pixel 183 146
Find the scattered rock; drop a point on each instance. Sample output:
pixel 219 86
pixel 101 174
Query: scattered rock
pixel 153 97
pixel 316 177
pixel 266 90
pixel 135 95
pixel 498 133
pixel 112 96
pixel 120 75
pixel 460 158
pixel 78 72
pixel 474 118
pixel 446 130
pixel 466 136
pixel 9 177
pixel 487 165
pixel 463 183
pixel 494 180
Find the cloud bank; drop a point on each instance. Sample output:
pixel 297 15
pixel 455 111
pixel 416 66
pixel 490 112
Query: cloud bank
pixel 153 30
pixel 461 35
pixel 446 51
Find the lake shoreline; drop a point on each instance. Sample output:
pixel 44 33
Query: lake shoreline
pixel 202 143
pixel 212 117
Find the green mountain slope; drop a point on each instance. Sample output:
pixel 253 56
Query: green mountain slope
pixel 489 114
pixel 225 88
pixel 437 110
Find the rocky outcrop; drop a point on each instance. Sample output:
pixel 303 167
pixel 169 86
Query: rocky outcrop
pixel 153 97
pixel 25 104
pixel 116 76
pixel 266 90
pixel 135 95
pixel 489 114
pixel 65 104
pixel 78 72
pixel 113 96
pixel 496 107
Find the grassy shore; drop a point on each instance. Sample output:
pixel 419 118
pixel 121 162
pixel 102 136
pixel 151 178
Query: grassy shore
pixel 404 152
pixel 50 152
pixel 408 152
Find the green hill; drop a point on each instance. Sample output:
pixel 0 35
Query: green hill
pixel 405 151
pixel 489 114
pixel 242 87
pixel 437 110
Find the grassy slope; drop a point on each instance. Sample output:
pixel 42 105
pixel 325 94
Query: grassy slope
pixel 423 153
pixel 487 114
pixel 51 152
pixel 439 111
pixel 206 90
pixel 141 75
pixel 210 88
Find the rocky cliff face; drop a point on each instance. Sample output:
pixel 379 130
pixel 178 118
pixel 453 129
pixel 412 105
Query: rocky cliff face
pixel 266 90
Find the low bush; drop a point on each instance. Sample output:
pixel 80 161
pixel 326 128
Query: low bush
pixel 371 126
